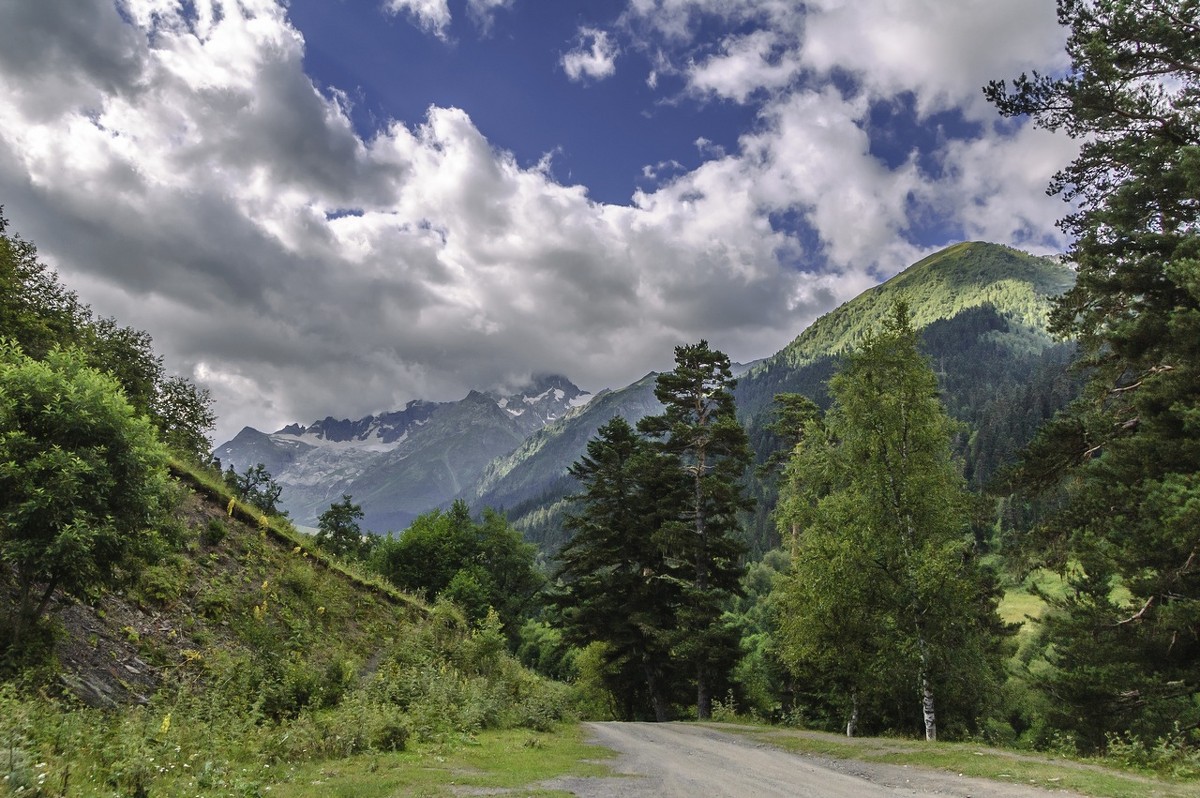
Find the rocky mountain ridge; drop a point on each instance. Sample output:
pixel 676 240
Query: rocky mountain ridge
pixel 400 463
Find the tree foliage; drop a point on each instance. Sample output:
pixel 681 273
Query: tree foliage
pixel 478 564
pixel 338 530
pixel 620 583
pixel 81 478
pixel 1125 459
pixel 256 486
pixel 884 590
pixel 40 314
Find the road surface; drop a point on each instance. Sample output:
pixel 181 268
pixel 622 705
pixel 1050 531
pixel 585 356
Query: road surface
pixel 674 760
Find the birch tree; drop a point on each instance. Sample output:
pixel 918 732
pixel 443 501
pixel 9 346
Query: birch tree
pixel 884 585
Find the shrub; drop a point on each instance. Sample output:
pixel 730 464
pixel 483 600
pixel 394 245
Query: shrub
pixel 164 583
pixel 214 532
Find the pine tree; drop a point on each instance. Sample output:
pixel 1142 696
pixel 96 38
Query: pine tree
pixel 1126 457
pixel 884 589
pixel 338 530
pixel 699 427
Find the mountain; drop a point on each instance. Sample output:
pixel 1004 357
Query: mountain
pixel 1018 286
pixel 982 310
pixel 529 483
pixel 400 464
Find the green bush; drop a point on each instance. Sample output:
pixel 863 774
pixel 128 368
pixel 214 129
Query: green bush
pixel 166 582
pixel 300 579
pixel 214 532
pixel 1172 754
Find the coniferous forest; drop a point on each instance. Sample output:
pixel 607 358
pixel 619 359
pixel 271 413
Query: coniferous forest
pixel 949 548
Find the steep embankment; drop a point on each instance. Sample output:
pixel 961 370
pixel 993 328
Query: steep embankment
pixel 235 587
pixel 244 648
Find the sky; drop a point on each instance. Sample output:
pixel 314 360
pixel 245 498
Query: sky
pixel 332 207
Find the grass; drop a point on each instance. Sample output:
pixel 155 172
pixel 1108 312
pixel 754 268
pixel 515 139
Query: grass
pixel 978 761
pixel 1021 605
pixel 209 484
pixel 515 760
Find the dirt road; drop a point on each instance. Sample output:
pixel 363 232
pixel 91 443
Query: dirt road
pixel 673 760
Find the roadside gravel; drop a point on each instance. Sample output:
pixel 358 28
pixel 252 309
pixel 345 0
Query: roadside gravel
pixel 674 760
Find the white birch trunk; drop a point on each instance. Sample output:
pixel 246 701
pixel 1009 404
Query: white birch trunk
pixel 852 723
pixel 927 707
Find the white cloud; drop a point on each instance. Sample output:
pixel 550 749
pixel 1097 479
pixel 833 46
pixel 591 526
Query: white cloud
pixel 943 52
pixel 203 188
pixel 746 64
pixel 432 16
pixel 594 56
pixel 1006 204
pixel 185 175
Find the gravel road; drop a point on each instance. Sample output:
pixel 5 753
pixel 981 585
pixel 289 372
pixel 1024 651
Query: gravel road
pixel 673 760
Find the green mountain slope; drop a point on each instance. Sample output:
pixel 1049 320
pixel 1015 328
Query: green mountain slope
pixel 941 286
pixel 1017 285
pixel 982 310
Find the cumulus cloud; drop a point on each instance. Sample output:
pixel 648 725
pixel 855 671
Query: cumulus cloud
pixel 594 56
pixel 942 52
pixel 184 174
pixel 215 198
pixel 746 64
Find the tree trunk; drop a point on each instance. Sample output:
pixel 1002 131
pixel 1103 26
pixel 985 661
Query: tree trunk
pixel 656 697
pixel 852 723
pixel 927 707
pixel 703 694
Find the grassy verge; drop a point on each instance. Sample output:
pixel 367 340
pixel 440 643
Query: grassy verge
pixel 505 760
pixel 979 761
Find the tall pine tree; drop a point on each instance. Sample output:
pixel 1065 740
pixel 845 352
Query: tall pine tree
pixel 699 427
pixel 1126 457
pixel 620 586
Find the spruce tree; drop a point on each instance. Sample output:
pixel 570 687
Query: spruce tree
pixel 699 427
pixel 620 586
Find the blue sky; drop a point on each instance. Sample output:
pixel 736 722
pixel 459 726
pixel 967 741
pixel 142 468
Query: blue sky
pixel 330 207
